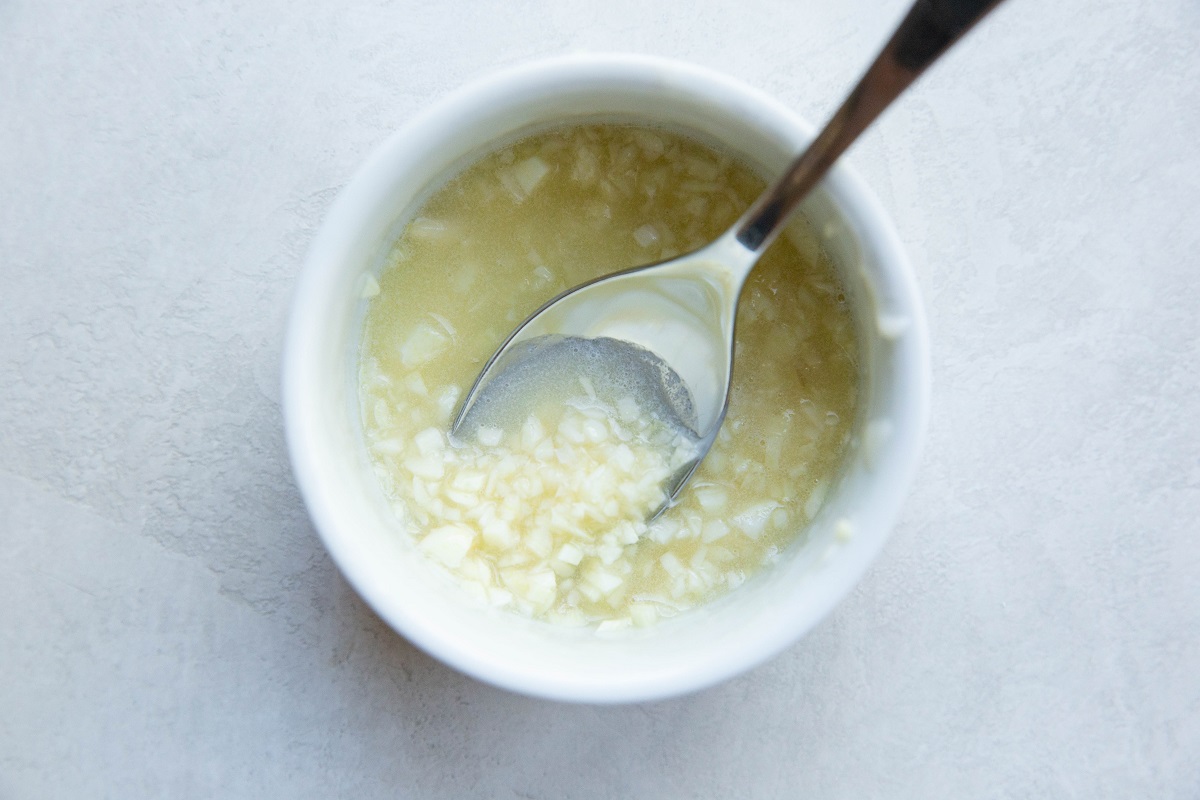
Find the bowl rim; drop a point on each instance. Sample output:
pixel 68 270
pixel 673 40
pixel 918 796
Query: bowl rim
pixel 848 191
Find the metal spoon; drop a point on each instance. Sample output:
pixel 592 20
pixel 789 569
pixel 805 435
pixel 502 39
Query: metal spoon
pixel 680 313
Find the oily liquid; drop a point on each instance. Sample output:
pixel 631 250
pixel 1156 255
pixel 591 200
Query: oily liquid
pixel 488 249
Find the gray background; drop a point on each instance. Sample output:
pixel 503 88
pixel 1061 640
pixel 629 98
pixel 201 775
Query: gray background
pixel 171 627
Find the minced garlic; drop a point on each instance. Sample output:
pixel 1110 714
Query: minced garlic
pixel 548 517
pixel 542 515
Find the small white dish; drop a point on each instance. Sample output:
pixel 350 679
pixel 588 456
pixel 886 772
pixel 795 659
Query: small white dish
pixel 702 646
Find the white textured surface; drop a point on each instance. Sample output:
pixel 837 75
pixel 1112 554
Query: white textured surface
pixel 171 627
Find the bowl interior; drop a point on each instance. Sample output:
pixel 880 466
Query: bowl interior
pixel 355 520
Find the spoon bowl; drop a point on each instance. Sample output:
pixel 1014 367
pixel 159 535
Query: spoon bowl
pixel 679 314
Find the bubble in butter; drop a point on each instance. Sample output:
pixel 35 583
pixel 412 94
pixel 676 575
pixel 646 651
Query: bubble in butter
pixel 547 515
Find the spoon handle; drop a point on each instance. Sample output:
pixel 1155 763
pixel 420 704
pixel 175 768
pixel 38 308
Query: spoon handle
pixel 928 30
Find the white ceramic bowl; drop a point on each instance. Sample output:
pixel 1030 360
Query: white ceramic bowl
pixel 703 646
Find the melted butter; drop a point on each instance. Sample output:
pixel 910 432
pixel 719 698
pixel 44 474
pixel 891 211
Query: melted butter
pixel 518 522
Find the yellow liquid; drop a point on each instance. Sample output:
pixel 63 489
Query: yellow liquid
pixel 490 247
